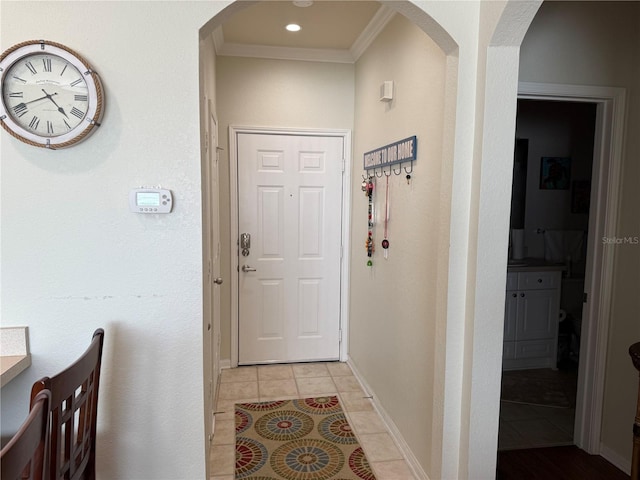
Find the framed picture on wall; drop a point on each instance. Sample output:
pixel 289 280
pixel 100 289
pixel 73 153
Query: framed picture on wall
pixel 555 173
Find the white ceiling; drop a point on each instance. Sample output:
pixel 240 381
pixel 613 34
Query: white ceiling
pixel 335 31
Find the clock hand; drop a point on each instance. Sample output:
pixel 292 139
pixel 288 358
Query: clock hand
pixel 50 97
pixel 23 105
pixel 37 99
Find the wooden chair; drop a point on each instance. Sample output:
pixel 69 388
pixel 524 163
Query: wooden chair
pixel 26 454
pixel 634 351
pixel 74 409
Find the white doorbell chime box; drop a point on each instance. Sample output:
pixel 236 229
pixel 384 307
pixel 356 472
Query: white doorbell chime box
pixel 386 91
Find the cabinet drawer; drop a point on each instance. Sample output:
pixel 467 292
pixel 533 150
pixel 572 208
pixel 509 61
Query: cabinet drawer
pixel 538 280
pixel 534 348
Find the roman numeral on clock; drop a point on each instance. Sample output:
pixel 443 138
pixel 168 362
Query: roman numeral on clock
pixel 35 121
pixel 76 82
pixel 47 64
pixel 77 113
pixel 49 127
pixel 15 95
pixel 20 109
pixel 31 68
pixel 80 98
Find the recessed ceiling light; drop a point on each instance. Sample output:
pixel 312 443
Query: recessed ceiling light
pixel 303 3
pixel 293 27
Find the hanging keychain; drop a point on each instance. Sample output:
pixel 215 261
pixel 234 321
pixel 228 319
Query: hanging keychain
pixel 369 244
pixel 385 240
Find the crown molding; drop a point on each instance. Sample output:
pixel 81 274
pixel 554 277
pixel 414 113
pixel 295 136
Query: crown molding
pixel 368 35
pixel 371 31
pixel 286 53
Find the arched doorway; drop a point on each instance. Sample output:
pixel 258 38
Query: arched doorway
pixel 467 415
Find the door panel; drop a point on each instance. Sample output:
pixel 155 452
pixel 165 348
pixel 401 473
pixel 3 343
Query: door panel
pixel 271 222
pixel 289 201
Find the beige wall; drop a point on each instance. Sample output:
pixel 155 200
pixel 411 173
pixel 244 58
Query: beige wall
pixel 394 305
pixel 274 93
pixel 598 43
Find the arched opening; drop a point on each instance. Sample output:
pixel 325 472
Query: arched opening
pixel 460 365
pixel 588 72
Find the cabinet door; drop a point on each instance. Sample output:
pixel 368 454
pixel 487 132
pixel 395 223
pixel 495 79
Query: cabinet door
pixel 537 316
pixel 510 313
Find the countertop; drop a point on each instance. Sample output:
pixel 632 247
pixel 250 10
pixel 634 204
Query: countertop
pixel 534 265
pixel 11 366
pixel 14 352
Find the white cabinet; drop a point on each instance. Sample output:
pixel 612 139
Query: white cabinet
pixel 531 320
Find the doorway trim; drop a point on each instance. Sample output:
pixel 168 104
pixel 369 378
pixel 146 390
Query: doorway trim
pixel 234 130
pixel 603 220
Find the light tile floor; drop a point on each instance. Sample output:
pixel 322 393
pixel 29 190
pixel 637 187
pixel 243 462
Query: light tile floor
pixel 284 382
pixel 533 426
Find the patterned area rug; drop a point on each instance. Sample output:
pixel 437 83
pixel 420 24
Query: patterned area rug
pixel 305 439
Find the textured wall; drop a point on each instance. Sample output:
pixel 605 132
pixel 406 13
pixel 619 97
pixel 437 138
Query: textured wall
pixel 74 257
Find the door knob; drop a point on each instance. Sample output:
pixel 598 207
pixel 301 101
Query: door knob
pixel 247 268
pixel 218 281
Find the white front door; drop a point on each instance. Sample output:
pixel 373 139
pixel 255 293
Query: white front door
pixel 289 203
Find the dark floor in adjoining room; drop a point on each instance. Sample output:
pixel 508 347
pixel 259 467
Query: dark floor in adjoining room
pixel 556 463
pixel 537 408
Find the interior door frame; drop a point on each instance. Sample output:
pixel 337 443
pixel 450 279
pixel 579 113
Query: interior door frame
pixel 210 309
pixel 213 151
pixel 234 131
pixel 603 220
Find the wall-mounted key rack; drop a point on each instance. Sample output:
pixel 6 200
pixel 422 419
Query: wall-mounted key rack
pixel 396 158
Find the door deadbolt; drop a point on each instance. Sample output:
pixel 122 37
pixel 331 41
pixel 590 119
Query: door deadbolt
pixel 245 243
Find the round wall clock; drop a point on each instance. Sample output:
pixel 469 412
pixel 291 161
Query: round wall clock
pixel 50 95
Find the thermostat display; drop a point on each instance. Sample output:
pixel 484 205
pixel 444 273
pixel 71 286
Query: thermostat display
pixel 150 200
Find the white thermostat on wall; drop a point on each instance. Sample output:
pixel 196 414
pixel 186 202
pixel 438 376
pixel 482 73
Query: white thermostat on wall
pixel 150 200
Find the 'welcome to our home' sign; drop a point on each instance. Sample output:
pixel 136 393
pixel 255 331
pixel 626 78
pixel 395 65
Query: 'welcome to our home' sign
pixel 401 151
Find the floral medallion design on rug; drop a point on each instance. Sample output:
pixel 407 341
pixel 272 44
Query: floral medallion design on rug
pixel 305 439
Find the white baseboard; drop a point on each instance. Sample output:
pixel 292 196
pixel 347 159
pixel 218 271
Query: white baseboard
pixel 225 363
pixel 615 458
pixel 402 445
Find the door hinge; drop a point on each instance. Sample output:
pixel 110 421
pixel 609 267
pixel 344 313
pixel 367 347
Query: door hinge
pixel 343 165
pixel 584 297
pixel 341 251
pixel 340 336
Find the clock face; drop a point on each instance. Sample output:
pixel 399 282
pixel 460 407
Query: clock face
pixel 49 97
pixel 45 95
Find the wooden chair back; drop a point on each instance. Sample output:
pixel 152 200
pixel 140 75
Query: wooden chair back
pixel 26 454
pixel 74 411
